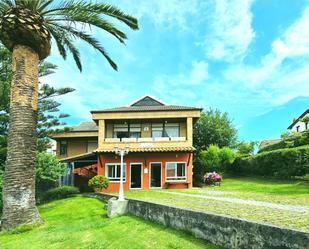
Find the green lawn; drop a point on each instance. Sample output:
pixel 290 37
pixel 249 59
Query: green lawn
pixel 243 189
pixel 266 186
pixel 81 222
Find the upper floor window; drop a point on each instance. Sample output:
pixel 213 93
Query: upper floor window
pixel 127 130
pixel 135 130
pixel 63 148
pixel 172 129
pixel 157 130
pixel 297 128
pixel 165 130
pixel 112 171
pixel 175 171
pixel 121 130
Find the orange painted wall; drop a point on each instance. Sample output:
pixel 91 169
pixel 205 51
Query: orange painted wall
pixel 146 159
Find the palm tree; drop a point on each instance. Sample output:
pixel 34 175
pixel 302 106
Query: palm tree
pixel 27 28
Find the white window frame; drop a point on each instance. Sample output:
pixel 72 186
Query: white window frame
pixel 115 179
pixel 175 180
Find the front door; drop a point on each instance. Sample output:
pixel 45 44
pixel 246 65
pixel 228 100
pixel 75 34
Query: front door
pixel 136 176
pixel 155 175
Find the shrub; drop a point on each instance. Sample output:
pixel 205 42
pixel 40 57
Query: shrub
pixel 60 193
pixel 212 178
pixel 98 182
pixel 282 163
pixel 289 140
pixel 216 159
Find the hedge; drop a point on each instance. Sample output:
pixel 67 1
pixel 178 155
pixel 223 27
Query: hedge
pixel 60 193
pixel 290 141
pixel 282 163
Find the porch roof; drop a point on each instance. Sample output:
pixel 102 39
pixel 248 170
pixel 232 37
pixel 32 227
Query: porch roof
pixel 81 160
pixel 154 149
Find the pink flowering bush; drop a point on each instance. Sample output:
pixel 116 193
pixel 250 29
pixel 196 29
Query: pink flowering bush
pixel 212 178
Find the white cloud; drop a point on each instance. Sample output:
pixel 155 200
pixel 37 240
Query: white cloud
pixel 176 88
pixel 163 13
pixel 230 30
pixel 283 73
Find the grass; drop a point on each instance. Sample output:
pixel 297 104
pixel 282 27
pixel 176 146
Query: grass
pixel 245 188
pixel 295 192
pixel 81 222
pixel 266 186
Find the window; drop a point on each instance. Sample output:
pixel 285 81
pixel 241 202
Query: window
pixel 112 171
pixel 157 130
pixel 297 128
pixel 135 130
pixel 63 148
pixel 121 130
pixel 172 129
pixel 175 171
pixel 92 145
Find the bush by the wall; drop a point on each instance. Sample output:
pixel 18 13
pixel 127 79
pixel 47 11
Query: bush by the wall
pixel 60 193
pixel 282 163
pixel 98 182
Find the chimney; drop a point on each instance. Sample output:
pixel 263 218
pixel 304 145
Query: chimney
pixel 294 119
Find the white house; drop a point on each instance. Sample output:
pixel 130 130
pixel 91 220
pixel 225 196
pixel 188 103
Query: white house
pixel 299 126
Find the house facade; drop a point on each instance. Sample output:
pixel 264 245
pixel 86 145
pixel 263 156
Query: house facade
pixel 297 124
pixel 159 138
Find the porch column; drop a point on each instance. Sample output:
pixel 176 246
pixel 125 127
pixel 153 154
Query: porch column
pixel 190 131
pixel 72 173
pixel 101 133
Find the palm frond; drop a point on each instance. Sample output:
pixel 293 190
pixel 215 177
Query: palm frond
pixel 83 7
pixel 65 21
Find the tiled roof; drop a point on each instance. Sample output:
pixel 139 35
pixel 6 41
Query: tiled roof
pixel 147 103
pixel 154 149
pixel 85 126
pixel 265 143
pixel 148 108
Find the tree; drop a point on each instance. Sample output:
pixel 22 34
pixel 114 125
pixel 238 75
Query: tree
pixel 306 121
pixel 246 148
pixel 213 128
pixel 216 159
pixel 48 169
pixel 26 29
pixel 48 111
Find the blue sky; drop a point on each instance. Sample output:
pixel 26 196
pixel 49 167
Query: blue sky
pixel 249 58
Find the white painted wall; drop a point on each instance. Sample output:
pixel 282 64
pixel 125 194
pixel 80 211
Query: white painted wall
pixel 301 125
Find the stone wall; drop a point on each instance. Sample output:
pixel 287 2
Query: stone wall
pixel 221 230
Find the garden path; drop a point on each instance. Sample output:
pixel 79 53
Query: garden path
pixel 294 208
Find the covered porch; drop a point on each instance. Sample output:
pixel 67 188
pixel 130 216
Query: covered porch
pixel 80 169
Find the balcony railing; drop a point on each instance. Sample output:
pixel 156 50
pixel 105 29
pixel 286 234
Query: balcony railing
pixel 145 139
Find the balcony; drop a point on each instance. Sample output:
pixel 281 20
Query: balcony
pixel 144 139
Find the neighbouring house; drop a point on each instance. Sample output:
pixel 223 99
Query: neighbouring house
pixel 269 142
pixel 299 126
pixel 158 136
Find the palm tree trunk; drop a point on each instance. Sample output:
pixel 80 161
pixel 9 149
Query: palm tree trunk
pixel 19 178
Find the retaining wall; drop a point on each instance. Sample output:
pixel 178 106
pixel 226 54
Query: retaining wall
pixel 220 230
